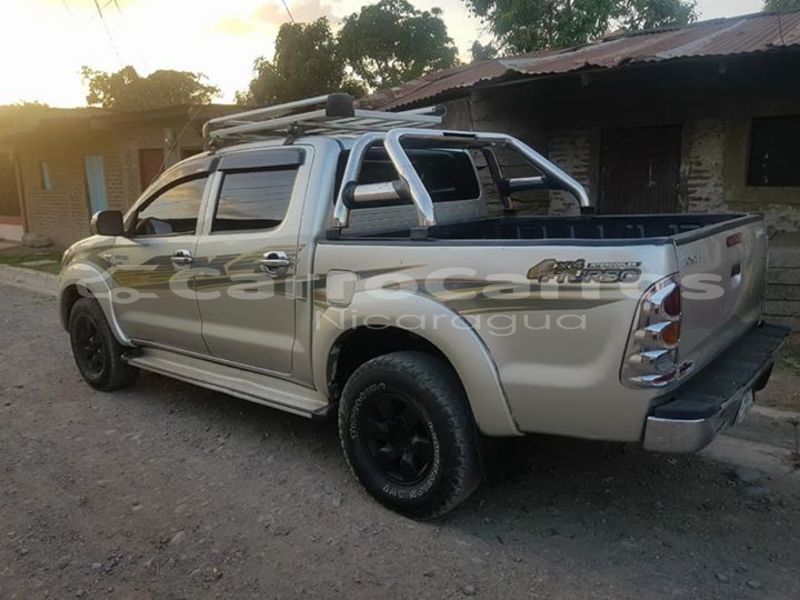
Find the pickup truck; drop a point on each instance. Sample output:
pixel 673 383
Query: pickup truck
pixel 330 261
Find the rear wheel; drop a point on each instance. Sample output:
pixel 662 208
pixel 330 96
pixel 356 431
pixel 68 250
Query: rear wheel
pixel 408 434
pixel 95 349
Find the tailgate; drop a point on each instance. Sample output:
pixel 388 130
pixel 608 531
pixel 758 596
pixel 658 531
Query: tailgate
pixel 723 276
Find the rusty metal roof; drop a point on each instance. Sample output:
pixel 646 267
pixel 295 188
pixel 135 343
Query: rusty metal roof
pixel 717 38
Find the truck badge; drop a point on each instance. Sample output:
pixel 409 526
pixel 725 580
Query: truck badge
pixel 579 271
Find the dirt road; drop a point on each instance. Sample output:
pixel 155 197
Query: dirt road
pixel 165 490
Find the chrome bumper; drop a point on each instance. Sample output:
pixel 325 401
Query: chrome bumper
pixel 690 418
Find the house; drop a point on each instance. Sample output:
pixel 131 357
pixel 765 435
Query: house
pixel 60 167
pixel 685 119
pixel 700 118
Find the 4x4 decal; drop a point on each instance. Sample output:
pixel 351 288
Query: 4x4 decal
pixel 579 271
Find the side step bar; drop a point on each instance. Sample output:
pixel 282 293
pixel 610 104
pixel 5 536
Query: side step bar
pixel 262 389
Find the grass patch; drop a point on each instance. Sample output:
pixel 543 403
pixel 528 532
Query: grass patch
pixel 17 257
pixel 789 359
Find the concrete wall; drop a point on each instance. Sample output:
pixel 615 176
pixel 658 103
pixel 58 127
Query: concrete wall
pixel 63 213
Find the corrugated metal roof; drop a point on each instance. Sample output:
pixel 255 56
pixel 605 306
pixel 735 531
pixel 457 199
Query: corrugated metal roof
pixel 721 37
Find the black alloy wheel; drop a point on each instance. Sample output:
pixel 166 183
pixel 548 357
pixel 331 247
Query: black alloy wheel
pixel 397 438
pixel 90 350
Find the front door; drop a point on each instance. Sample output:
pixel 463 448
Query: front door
pixel 246 260
pixel 152 269
pixel 640 170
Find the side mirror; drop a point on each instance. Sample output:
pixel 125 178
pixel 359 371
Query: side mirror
pixel 107 222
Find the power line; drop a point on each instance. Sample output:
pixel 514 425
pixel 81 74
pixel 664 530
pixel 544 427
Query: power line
pixel 69 11
pixel 136 45
pixel 108 32
pixel 288 12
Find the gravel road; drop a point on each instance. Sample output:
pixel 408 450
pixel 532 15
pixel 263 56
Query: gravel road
pixel 166 490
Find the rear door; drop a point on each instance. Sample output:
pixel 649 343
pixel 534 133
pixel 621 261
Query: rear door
pixel 640 170
pixel 246 277
pixel 723 276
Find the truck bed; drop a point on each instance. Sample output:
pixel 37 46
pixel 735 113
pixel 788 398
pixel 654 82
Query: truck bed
pixel 592 227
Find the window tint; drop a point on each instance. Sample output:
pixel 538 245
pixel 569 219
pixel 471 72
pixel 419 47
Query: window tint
pixel 775 152
pixel 254 199
pixel 447 175
pixel 174 211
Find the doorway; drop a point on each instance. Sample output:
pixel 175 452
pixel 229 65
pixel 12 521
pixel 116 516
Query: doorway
pixel 640 170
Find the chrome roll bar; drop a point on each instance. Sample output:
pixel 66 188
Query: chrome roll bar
pixel 393 143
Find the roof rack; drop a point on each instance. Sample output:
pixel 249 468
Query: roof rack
pixel 331 114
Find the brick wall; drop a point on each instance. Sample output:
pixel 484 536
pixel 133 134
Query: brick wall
pixel 783 289
pixel 702 186
pixel 63 213
pixel 572 152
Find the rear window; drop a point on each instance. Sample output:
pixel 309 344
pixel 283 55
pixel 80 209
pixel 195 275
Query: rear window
pixel 448 175
pixel 253 200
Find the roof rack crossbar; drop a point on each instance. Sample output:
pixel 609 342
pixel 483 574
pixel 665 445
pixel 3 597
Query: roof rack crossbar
pixel 327 115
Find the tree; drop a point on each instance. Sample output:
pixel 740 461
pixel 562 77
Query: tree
pixel 781 5
pixel 127 90
pixel 306 63
pixel 526 25
pixel 482 51
pixel 391 42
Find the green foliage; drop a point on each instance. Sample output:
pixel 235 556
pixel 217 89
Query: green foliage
pixel 526 25
pixel 480 51
pixel 383 45
pixel 789 359
pixel 781 5
pixel 388 43
pixel 306 63
pixel 127 90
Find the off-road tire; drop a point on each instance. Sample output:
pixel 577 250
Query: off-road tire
pixel 105 370
pixel 429 386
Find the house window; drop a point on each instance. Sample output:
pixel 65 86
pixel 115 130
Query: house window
pixel 46 182
pixel 775 152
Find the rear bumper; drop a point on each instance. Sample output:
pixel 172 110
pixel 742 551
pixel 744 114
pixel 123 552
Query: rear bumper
pixel 689 418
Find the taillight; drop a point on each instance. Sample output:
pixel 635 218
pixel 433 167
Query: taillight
pixel 651 358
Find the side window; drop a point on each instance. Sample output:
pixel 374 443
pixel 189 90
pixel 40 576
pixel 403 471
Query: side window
pixel 253 200
pixel 174 211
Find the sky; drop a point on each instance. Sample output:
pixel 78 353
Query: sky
pixel 45 42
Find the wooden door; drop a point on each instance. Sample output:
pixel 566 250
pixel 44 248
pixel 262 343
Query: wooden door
pixel 640 170
pixel 151 163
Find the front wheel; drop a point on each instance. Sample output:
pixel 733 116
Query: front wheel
pixel 408 434
pixel 97 352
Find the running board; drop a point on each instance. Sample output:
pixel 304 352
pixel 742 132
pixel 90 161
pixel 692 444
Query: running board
pixel 262 389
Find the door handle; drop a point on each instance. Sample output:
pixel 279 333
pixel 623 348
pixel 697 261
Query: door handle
pixel 275 263
pixel 181 257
